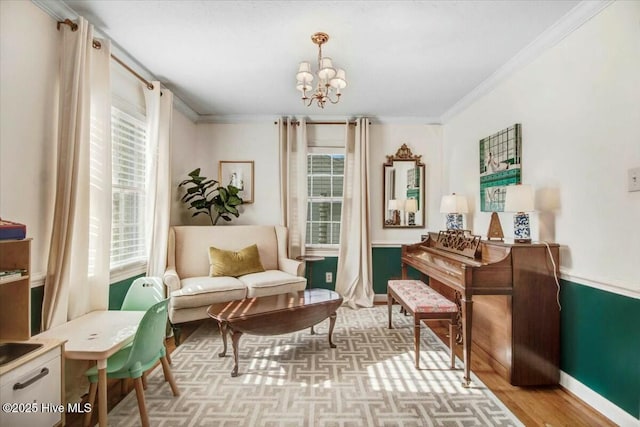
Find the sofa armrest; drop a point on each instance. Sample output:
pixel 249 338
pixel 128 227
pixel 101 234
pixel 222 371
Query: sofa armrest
pixel 171 280
pixel 291 266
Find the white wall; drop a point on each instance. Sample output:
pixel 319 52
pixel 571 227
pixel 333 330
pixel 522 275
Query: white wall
pixel 28 105
pixel 184 149
pixel 579 106
pixel 424 140
pixel 236 142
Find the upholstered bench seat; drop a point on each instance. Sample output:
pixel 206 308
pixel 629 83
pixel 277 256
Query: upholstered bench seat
pixel 423 303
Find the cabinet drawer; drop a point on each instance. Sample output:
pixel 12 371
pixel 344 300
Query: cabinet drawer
pixel 32 392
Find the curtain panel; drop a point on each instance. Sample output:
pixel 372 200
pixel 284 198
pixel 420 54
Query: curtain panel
pixel 77 278
pixel 159 106
pixel 293 182
pixel 354 275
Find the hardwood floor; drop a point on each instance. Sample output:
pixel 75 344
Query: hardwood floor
pixel 534 406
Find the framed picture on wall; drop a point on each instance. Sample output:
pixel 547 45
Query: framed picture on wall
pixel 240 175
pixel 500 166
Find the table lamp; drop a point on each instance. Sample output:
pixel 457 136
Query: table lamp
pixel 519 199
pixel 411 207
pixel 454 206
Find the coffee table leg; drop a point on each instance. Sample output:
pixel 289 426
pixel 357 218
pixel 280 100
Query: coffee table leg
pixel 223 333
pixel 332 323
pixel 235 338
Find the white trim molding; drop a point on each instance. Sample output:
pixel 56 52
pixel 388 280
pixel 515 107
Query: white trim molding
pixel 597 402
pixel 570 22
pixel 618 288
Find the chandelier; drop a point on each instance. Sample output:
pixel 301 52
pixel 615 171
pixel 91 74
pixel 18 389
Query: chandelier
pixel 330 80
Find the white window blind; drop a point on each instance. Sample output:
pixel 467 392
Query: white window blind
pixel 325 177
pixel 128 188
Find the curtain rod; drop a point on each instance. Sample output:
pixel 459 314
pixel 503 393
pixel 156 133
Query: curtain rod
pixel 97 45
pixel 296 123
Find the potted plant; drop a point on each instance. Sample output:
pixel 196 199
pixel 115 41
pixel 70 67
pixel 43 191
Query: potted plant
pixel 207 196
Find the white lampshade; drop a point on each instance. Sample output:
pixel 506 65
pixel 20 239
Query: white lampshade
pixel 519 198
pixel 326 71
pixel 411 205
pixel 304 73
pixel 393 205
pixel 454 203
pixel 340 80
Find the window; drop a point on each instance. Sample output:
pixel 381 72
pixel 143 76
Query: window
pixel 325 177
pixel 128 188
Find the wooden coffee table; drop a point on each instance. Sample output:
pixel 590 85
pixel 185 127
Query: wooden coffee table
pixel 274 315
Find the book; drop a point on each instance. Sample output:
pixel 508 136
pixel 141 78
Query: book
pixel 6 275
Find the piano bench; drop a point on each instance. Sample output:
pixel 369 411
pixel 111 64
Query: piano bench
pixel 423 303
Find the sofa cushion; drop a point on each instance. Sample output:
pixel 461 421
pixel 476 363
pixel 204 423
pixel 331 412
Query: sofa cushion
pixel 234 264
pixel 272 282
pixel 204 291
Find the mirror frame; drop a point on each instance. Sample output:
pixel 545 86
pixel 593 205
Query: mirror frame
pixel 403 154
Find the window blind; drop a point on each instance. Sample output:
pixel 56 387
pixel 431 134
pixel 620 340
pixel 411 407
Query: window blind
pixel 128 189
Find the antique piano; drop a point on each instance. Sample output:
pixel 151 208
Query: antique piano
pixel 507 297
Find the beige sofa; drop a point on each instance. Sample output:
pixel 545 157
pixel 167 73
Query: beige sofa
pixel 192 289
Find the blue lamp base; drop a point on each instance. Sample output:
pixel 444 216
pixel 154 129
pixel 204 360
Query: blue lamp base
pixel 521 229
pixel 454 221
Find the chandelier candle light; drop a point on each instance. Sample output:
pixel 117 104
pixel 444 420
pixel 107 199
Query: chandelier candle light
pixel 454 206
pixel 519 199
pixel 330 80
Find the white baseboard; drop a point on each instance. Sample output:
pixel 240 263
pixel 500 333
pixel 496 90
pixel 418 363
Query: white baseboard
pixel 597 402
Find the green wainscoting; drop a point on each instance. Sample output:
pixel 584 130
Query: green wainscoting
pixel 37 296
pixel 117 291
pixel 386 265
pixel 600 343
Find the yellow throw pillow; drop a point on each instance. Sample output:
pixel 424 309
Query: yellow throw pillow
pixel 234 264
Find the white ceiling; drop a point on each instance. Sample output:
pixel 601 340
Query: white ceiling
pixel 402 58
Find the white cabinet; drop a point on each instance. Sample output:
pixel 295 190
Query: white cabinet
pixel 31 393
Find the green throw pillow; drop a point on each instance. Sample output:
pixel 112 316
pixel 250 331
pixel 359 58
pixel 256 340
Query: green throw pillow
pixel 234 264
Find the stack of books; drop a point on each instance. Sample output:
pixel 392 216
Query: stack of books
pixel 6 275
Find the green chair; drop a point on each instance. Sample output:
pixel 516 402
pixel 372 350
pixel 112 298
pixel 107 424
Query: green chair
pixel 143 293
pixel 132 361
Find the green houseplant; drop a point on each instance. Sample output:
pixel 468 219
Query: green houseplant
pixel 207 196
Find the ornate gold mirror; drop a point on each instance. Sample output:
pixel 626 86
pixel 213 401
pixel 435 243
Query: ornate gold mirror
pixel 403 185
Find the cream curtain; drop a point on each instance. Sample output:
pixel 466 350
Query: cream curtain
pixel 293 182
pixel 77 278
pixel 159 105
pixel 354 276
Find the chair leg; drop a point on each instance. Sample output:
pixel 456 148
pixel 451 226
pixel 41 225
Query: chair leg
pixel 144 380
pixel 144 417
pixel 168 376
pixel 93 389
pixel 168 356
pixel 123 387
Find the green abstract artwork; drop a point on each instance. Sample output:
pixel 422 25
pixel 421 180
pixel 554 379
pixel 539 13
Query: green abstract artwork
pixel 500 166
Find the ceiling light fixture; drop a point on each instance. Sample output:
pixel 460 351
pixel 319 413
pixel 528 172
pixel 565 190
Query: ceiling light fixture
pixel 330 80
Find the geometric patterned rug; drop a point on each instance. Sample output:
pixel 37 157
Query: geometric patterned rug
pixel 297 380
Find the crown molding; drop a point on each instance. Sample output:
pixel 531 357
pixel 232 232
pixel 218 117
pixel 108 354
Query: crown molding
pixel 570 22
pixel 235 119
pixel 182 106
